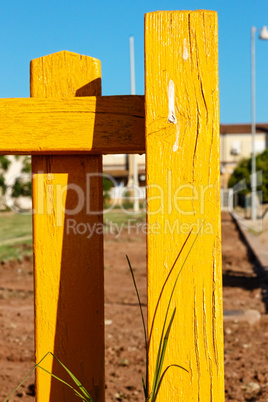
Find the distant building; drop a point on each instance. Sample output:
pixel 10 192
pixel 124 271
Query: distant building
pixel 236 144
pixel 118 167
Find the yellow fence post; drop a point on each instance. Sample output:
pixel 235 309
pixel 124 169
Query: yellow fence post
pixel 69 300
pixel 183 195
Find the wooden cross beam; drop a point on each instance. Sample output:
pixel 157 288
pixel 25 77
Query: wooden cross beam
pixel 67 136
pixel 102 124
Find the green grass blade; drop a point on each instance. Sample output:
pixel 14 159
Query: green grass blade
pixel 168 307
pixel 13 392
pixel 166 341
pixel 156 373
pixel 75 380
pixel 144 388
pixel 138 296
pixel 144 327
pixel 63 382
pixel 162 376
pixel 163 287
pixel 25 378
pixel 167 311
pixel 161 352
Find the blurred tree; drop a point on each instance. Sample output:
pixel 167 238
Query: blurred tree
pixel 4 165
pixel 23 184
pixel 107 185
pixel 243 171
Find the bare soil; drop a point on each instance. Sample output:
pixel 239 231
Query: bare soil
pixel 246 346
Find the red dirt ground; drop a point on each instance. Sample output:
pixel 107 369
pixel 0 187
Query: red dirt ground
pixel 246 346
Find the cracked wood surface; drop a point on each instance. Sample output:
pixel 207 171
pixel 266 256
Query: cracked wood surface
pixel 95 124
pixel 183 192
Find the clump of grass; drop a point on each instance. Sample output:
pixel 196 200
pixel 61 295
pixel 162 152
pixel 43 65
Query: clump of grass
pixel 82 393
pixel 159 373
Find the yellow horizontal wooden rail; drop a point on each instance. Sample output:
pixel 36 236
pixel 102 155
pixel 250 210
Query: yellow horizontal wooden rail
pixel 95 124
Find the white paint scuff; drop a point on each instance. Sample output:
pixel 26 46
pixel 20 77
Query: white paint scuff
pixel 171 103
pixel 176 145
pixel 171 115
pixel 185 51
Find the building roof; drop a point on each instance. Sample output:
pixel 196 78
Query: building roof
pixel 242 128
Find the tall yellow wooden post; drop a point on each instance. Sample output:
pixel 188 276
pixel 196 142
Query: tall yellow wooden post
pixel 69 302
pixel 182 146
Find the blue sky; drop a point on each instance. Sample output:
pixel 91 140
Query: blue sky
pixel 101 29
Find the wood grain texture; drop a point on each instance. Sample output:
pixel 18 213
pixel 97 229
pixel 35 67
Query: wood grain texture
pixel 182 147
pixel 108 124
pixel 69 283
